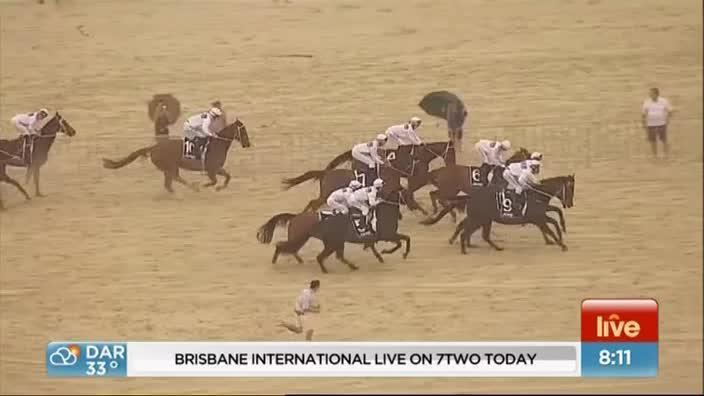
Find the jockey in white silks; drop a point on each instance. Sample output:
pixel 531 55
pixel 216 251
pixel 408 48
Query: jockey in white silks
pixel 491 151
pixel 29 125
pixel 365 199
pixel 406 137
pixel 368 154
pixel 338 200
pixel 199 125
pixel 522 175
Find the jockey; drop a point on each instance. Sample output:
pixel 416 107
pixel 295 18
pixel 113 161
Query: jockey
pixel 364 199
pixel 405 135
pixel 28 124
pixel 521 175
pixel 198 128
pixel 368 153
pixel 491 151
pixel 338 201
pixel 28 127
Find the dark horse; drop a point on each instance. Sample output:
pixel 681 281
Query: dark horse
pixel 331 180
pixel 167 155
pixel 484 210
pixel 335 231
pixel 10 151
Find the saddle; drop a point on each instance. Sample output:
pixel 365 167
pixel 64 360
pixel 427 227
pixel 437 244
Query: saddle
pixel 510 204
pixel 195 148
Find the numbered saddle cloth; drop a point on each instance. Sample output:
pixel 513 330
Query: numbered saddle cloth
pixel 360 224
pixel 194 148
pixel 510 204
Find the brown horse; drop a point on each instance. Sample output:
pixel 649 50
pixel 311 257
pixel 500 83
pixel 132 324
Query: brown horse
pixel 451 180
pixel 483 211
pixel 334 231
pixel 167 156
pixel 422 154
pixel 11 151
pixel 331 180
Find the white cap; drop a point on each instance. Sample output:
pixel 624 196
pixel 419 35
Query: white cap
pixel 215 112
pixel 506 145
pixel 381 137
pixel 536 156
pixel 415 119
pixel 43 110
pixel 354 184
pixel 378 183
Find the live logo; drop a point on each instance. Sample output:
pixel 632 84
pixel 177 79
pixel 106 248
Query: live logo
pixel 619 320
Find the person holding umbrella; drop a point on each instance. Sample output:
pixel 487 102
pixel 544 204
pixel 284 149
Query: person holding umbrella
pixel 448 106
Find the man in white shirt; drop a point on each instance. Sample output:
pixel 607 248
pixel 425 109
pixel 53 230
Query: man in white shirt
pixel 306 305
pixel 655 116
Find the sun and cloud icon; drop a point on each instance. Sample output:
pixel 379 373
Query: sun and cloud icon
pixel 65 356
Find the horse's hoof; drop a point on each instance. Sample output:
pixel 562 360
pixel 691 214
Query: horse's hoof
pixel 219 188
pixel 564 248
pixel 405 256
pixel 40 195
pixel 354 268
pixel 451 241
pixel 549 242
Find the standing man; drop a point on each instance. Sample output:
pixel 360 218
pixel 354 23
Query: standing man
pixel 656 114
pixel 456 116
pixel 305 306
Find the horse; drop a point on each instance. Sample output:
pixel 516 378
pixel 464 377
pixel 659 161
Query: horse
pixel 331 180
pixel 167 156
pixel 10 151
pixel 484 209
pixel 422 154
pixel 334 231
pixel 451 180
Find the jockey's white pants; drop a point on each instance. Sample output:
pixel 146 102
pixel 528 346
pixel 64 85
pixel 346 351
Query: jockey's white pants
pixel 190 132
pixel 480 149
pixel 363 157
pixel 337 206
pixel 513 183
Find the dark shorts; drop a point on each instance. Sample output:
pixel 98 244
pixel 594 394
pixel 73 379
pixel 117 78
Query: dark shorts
pixel 659 132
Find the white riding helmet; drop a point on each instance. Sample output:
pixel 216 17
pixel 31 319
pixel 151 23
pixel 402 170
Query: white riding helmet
pixel 43 111
pixel 355 185
pixel 506 145
pixel 378 183
pixel 381 137
pixel 215 112
pixel 536 156
pixel 416 120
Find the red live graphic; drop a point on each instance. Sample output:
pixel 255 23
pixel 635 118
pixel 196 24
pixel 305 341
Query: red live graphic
pixel 622 320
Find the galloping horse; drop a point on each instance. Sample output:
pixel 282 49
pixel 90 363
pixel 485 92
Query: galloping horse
pixel 334 231
pixel 10 152
pixel 422 154
pixel 331 180
pixel 483 211
pixel 167 156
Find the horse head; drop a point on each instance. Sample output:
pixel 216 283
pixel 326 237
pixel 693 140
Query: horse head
pixel 57 124
pixel 236 131
pixel 561 187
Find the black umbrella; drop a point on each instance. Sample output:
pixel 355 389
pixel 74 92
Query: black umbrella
pixel 436 103
pixel 164 103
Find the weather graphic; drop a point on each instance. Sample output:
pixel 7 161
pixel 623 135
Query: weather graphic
pixel 81 359
pixel 65 356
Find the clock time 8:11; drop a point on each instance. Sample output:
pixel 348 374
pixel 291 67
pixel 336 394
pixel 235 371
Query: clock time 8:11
pixel 618 357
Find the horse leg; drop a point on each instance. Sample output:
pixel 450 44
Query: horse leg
pixel 486 235
pixel 7 179
pixel 470 226
pixel 277 251
pixel 544 227
pixel 168 182
pixel 552 208
pixel 397 245
pixel 458 229
pixel 298 258
pixel 340 253
pixel 36 182
pixel 213 180
pixel 327 251
pixel 434 200
pixel 223 172
pixel 183 181
pixel 406 239
pixel 376 252
pixel 552 221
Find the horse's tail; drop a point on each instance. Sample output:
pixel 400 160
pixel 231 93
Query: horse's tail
pixel 266 232
pixel 339 160
pixel 111 164
pixel 294 181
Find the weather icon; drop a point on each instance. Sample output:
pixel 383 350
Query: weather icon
pixel 65 356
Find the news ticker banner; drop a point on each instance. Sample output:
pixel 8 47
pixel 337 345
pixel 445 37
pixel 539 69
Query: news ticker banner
pixel 615 343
